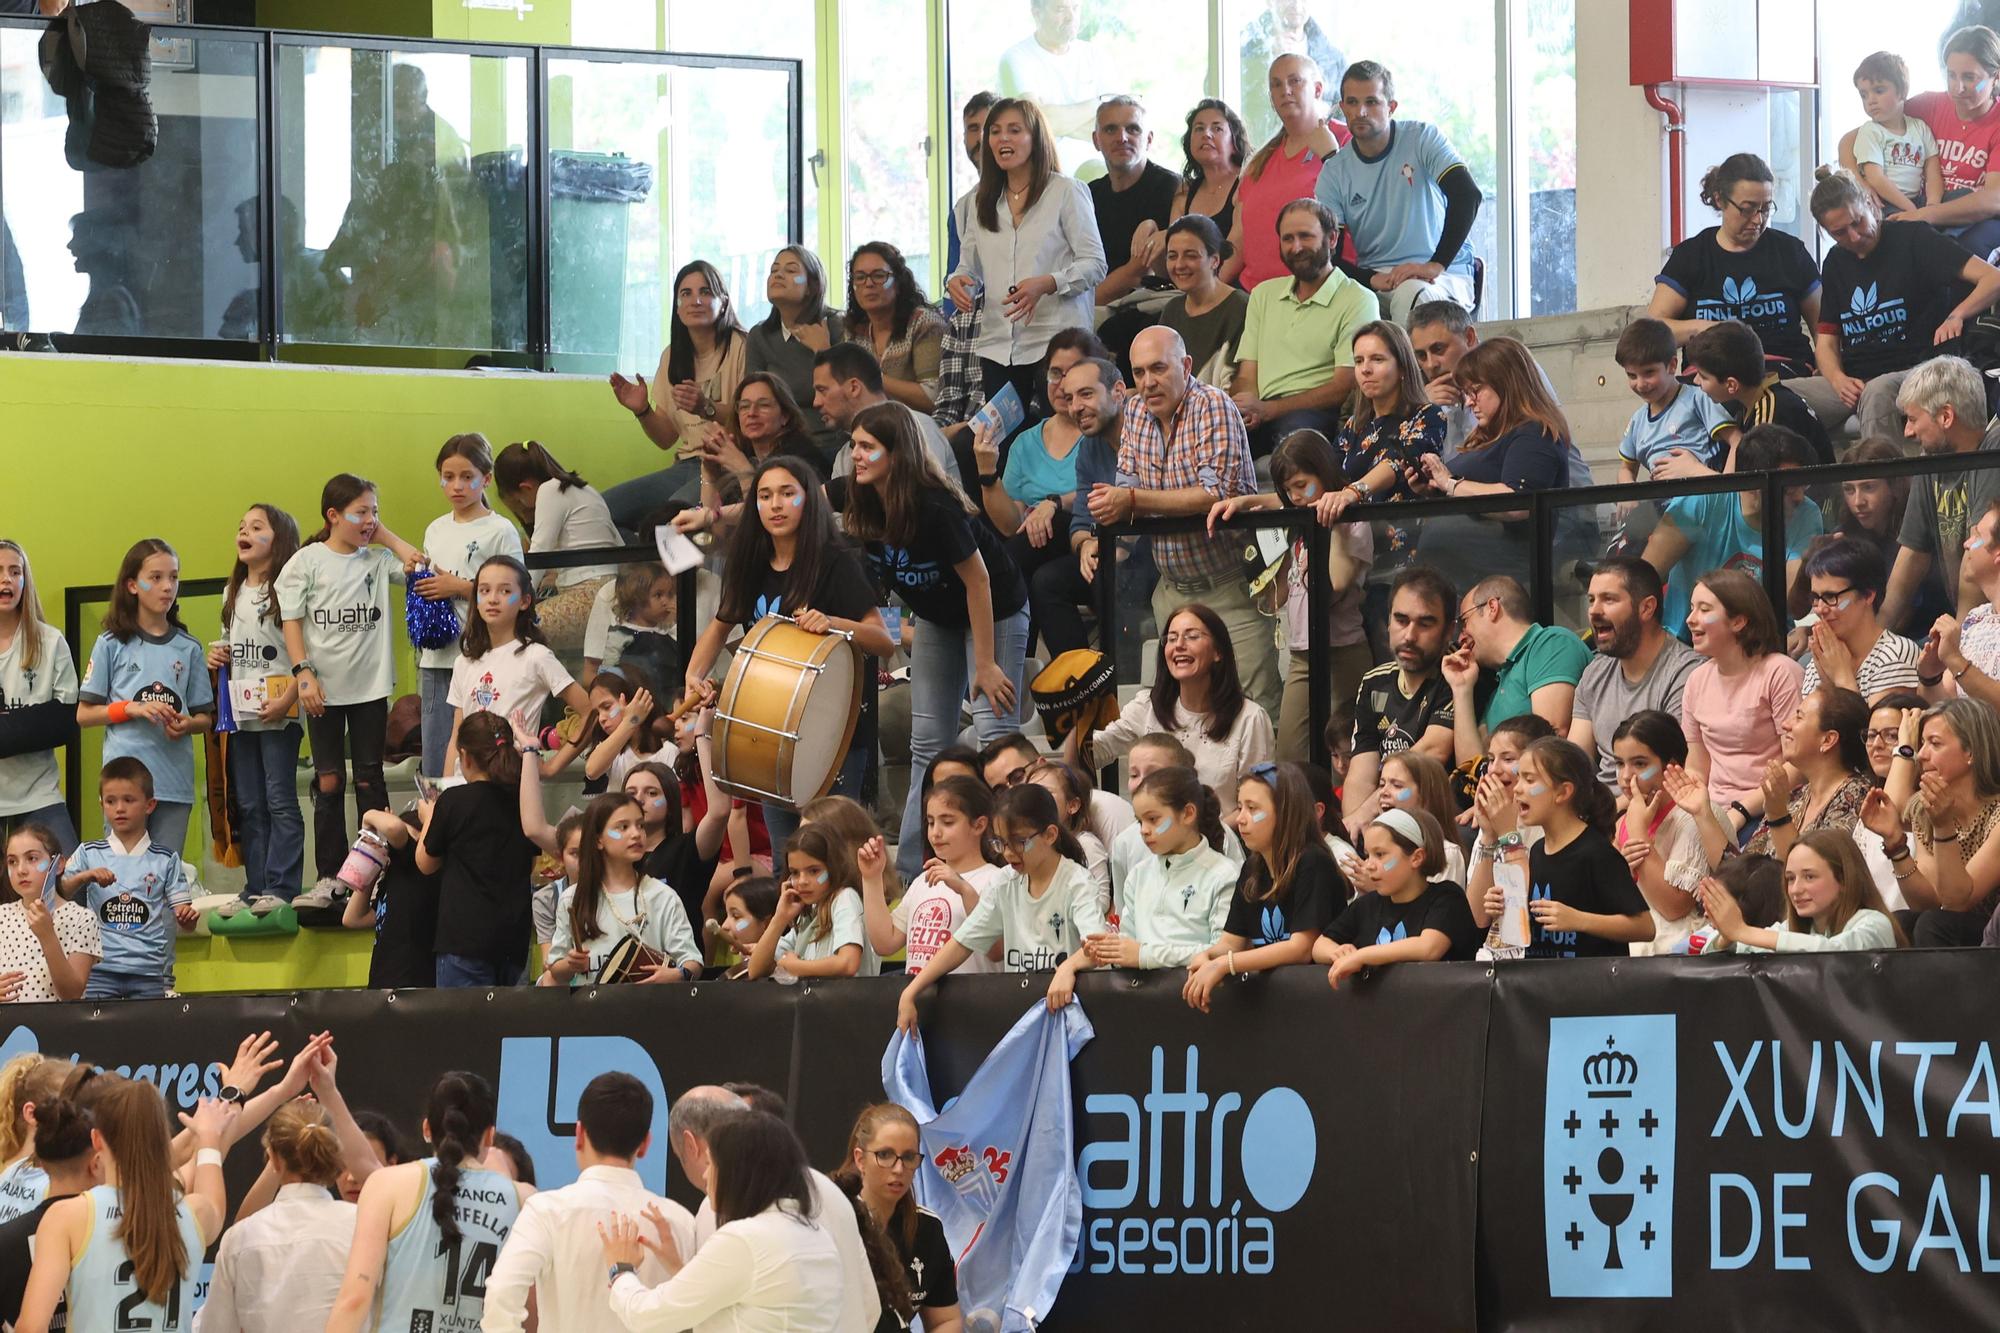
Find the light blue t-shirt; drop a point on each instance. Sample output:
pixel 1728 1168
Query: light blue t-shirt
pixel 172 669
pixel 1720 537
pixel 1393 204
pixel 135 914
pixel 1032 476
pixel 1692 421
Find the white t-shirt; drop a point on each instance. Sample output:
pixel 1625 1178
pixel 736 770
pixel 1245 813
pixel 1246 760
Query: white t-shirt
pixel 1901 156
pixel 343 601
pixel 604 635
pixel 257 654
pixel 1029 69
pixel 20 951
pixel 460 549
pixel 1039 932
pixel 652 913
pixel 931 913
pixel 1221 764
pixel 513 677
pixel 29 781
pixel 573 520
pixel 850 926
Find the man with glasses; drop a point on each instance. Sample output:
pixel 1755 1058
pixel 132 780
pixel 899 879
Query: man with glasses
pixel 1533 668
pixel 1850 648
pixel 1133 191
pixel 1405 196
pixel 1638 664
pixel 1404 704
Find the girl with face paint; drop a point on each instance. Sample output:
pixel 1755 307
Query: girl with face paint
pixel 456 544
pixel 1411 917
pixel 1175 900
pixel 1582 901
pixel 263 754
pixel 613 898
pixel 964 866
pixel 1669 848
pixel 505 666
pixel 1832 904
pixel 820 929
pixel 569 837
pixel 1412 781
pixel 48 944
pixel 1308 473
pixel 148 685
pixel 625 727
pixel 1288 891
pixel 38 678
pixel 1038 914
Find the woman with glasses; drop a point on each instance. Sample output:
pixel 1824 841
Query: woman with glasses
pixel 888 312
pixel 1850 647
pixel 883 1155
pixel 1743 269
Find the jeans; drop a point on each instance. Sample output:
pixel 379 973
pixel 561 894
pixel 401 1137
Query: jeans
pixel 1268 436
pixel 433 687
pixel 364 728
pixel 941 666
pixel 781 822
pixel 118 986
pixel 262 767
pixel 456 971
pixel 630 501
pixel 1029 559
pixel 54 818
pixel 168 824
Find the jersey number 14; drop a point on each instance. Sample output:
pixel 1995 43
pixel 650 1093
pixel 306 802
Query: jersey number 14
pixel 469 1281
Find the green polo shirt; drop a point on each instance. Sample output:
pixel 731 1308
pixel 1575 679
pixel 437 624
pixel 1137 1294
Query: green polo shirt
pixel 1546 655
pixel 1298 345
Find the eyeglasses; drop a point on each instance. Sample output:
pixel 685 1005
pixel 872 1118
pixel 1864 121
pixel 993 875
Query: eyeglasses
pixel 890 1157
pixel 1020 844
pixel 871 277
pixel 1830 599
pixel 1881 736
pixel 1753 210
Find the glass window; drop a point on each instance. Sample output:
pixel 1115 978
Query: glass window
pixel 608 216
pixel 1070 54
pixel 406 174
pixel 630 25
pixel 1544 114
pixel 1852 29
pixel 726 122
pixel 155 250
pixel 1262 30
pixel 888 188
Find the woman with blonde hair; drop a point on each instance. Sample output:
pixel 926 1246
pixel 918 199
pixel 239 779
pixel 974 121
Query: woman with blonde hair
pixel 38 679
pixel 281 1267
pixel 27 1081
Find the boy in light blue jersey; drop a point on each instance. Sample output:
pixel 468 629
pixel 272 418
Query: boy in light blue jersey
pixel 137 888
pixel 1672 416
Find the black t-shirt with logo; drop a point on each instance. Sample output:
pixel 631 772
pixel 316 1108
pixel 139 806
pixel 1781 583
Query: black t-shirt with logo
pixel 1316 893
pixel 1119 212
pixel 1886 308
pixel 406 919
pixel 1591 876
pixel 923 573
pixel 1764 286
pixel 1386 723
pixel 842 591
pixel 1373 919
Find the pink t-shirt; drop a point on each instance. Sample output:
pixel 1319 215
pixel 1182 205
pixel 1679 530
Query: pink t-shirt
pixel 1966 146
pixel 1736 719
pixel 1259 201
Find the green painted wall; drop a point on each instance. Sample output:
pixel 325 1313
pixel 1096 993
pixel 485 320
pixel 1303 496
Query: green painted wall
pixel 547 23
pixel 388 18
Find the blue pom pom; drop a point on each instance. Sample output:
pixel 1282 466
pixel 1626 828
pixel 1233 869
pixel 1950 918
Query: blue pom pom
pixel 432 624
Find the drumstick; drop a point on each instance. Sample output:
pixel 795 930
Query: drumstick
pixel 685 706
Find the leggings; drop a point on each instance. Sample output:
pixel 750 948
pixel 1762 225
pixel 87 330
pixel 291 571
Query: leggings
pixel 361 728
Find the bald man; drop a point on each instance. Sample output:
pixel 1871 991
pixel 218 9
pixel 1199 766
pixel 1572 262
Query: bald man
pixel 1182 447
pixel 694 1116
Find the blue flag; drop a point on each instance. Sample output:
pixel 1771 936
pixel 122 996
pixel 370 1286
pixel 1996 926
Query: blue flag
pixel 999 1165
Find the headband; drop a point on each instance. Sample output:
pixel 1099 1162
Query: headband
pixel 1403 822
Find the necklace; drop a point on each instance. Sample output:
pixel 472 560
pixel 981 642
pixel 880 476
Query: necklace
pixel 633 924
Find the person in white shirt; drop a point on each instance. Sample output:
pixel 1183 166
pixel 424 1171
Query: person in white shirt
pixel 769 1265
pixel 279 1269
pixel 554 1249
pixel 562 512
pixel 505 665
pixel 697 1115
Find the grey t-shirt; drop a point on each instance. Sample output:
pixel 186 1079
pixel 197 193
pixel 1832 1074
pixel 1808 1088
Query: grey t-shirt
pixel 1605 698
pixel 1944 506
pixel 1206 334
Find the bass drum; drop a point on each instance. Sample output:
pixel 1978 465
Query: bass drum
pixel 786 713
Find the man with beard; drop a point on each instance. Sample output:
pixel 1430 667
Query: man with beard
pixel 1532 668
pixel 1638 665
pixel 1405 704
pixel 1295 361
pixel 1943 402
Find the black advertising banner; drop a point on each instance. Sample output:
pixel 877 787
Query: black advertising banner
pixel 1292 1147
pixel 1803 1141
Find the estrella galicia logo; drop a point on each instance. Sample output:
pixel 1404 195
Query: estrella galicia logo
pixel 541 1079
pixel 1870 319
pixel 1741 300
pixel 1608 1156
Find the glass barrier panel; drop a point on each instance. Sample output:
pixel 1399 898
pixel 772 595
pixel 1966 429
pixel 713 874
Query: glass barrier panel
pixel 608 215
pixel 1686 537
pixel 404 209
pixel 163 249
pixel 728 163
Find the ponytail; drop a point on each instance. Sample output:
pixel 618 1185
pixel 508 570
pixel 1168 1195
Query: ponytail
pixel 132 1119
pixel 462 1109
pixel 1179 788
pixel 519 464
pixel 487 740
pixel 29 1077
pixel 63 1122
pixel 1033 807
pixel 301 1139
pixel 1590 800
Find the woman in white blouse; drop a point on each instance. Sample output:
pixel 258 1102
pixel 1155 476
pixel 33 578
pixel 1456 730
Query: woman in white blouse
pixel 280 1268
pixel 1197 698
pixel 1032 250
pixel 770 1266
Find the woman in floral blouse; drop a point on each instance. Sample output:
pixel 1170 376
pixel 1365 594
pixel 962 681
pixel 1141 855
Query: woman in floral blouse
pixel 1392 426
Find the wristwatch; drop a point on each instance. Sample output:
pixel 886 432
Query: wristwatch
pixel 618 1271
pixel 989 479
pixel 304 664
pixel 230 1093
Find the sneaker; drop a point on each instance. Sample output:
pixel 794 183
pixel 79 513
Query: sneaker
pixel 231 908
pixel 323 894
pixel 265 903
